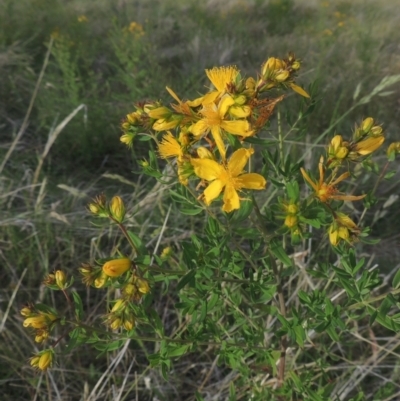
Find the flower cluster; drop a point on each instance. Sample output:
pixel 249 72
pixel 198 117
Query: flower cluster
pixel 198 132
pixel 367 138
pixel 115 209
pixel 40 320
pixel 122 313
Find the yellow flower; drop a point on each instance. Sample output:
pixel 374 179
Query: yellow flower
pixel 43 360
pixel 101 280
pixel 116 267
pixel 118 306
pixel 82 18
pixel 61 279
pixel 127 139
pixel 337 151
pixel 392 150
pixel 341 229
pixel 184 107
pixel 158 112
pixel 291 221
pixel 228 178
pixel 368 145
pixel 327 191
pixel 170 147
pixel 221 78
pixel 164 124
pixel 214 120
pixel 136 28
pixel 117 209
pixel 41 335
pixel 142 285
pixel 40 321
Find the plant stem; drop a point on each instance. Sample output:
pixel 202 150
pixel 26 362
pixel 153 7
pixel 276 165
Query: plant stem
pixel 282 308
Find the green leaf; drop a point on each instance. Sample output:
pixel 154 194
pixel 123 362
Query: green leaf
pixel 292 189
pixel 389 175
pixel 191 212
pixel 213 301
pixel 373 317
pixel 300 335
pixel 75 336
pixel 203 312
pixel 396 280
pixel 332 333
pixel 261 142
pixel 78 307
pixel 176 350
pixel 304 297
pixel 198 396
pixel 246 207
pixel 232 392
pixel 142 250
pixel 187 279
pixel 279 252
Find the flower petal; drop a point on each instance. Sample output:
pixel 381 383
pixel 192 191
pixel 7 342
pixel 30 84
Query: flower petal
pixel 207 169
pixel 348 197
pixel 169 147
pixel 237 127
pixel 238 160
pixel 213 190
pixel 340 178
pixel 224 104
pixel 231 199
pixel 308 179
pixel 200 128
pixel 216 133
pixel 251 181
pixel 222 76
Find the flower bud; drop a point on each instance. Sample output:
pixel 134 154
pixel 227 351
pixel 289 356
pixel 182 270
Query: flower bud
pixel 164 125
pixel 296 65
pixel 43 360
pixel 292 208
pixel 240 100
pixel 119 305
pixel 41 335
pixel 129 290
pixel 127 139
pixel 392 150
pixel 37 322
pixel 290 221
pixel 94 208
pixel 159 112
pixel 132 118
pixel 101 281
pixel 142 285
pixel 166 253
pixel 282 76
pixel 376 131
pixel 204 153
pixel 117 209
pixel 369 145
pixel 26 311
pixel 115 324
pixel 129 324
pixel 250 83
pixel 240 111
pixel 116 267
pixel 61 279
pixel 271 64
pixel 367 124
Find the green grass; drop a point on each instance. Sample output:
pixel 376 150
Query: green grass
pixel 101 64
